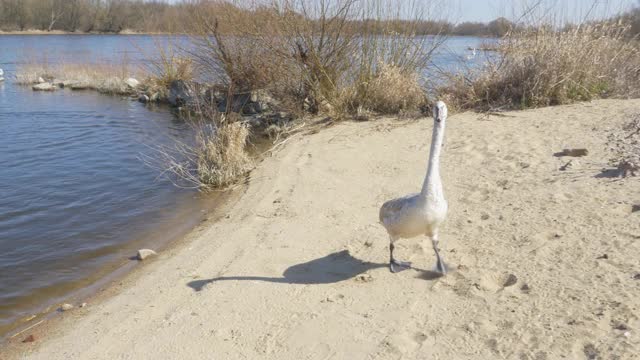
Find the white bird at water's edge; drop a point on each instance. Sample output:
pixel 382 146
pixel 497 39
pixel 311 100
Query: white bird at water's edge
pixel 1 74
pixel 422 213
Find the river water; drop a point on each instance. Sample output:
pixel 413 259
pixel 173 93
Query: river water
pixel 76 201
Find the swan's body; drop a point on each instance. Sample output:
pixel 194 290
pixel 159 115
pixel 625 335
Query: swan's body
pixel 422 213
pixel 1 74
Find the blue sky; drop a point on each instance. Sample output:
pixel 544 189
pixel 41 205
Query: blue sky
pixel 486 10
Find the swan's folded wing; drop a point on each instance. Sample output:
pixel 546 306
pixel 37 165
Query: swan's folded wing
pixel 394 209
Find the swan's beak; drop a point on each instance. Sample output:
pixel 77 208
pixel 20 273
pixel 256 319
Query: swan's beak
pixel 439 111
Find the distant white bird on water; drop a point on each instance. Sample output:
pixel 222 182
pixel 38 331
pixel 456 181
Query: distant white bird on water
pixel 1 75
pixel 473 54
pixel 420 214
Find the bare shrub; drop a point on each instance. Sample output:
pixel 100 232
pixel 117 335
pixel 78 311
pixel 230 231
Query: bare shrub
pixel 167 65
pixel 543 67
pixel 314 56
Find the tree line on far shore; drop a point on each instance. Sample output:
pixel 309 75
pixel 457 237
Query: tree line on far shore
pixel 115 16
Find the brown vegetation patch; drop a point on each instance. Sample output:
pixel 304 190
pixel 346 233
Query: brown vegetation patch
pixel 543 67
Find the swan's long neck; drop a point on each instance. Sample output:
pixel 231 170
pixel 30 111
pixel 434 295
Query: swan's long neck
pixel 432 187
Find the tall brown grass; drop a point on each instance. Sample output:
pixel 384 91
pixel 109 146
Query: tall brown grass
pixel 390 90
pixel 543 67
pixel 215 157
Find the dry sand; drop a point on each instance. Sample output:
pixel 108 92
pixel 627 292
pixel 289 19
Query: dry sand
pixel 298 268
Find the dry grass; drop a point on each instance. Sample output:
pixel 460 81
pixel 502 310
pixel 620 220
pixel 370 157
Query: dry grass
pixel 222 156
pixel 105 78
pixel 544 67
pixel 215 158
pixel 29 74
pixel 391 90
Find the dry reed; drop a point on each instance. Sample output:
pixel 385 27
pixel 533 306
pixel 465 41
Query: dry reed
pixel 216 157
pixel 391 90
pixel 543 67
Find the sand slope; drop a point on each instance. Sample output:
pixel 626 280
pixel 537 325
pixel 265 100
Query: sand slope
pixel 298 268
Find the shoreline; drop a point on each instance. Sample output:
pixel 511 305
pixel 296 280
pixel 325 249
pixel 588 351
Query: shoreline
pixel 103 278
pixel 303 258
pixel 118 276
pixel 60 32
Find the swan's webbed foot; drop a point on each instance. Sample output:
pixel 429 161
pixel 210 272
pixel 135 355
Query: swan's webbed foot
pixel 394 265
pixel 397 266
pixel 441 268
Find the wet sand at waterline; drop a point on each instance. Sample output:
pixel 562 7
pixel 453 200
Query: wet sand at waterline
pixel 545 261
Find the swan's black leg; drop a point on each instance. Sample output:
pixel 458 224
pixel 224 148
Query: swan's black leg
pixel 394 265
pixel 441 267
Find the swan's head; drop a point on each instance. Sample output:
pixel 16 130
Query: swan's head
pixel 440 112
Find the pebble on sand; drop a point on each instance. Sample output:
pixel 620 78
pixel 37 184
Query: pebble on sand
pixel 364 278
pixel 145 253
pixel 66 307
pixel 29 339
pixel 511 280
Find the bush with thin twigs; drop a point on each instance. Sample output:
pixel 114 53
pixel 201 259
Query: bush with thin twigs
pixel 543 67
pixel 311 55
pixel 167 65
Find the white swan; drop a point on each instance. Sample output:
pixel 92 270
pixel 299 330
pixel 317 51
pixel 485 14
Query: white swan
pixel 1 74
pixel 473 55
pixel 420 214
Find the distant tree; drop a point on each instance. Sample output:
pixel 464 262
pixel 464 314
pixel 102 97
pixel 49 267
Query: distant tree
pixel 471 29
pixel 500 27
pixel 14 14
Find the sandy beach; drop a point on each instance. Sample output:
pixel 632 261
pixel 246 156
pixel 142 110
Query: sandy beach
pixel 546 262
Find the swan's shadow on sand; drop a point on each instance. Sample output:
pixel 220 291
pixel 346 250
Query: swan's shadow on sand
pixel 333 268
